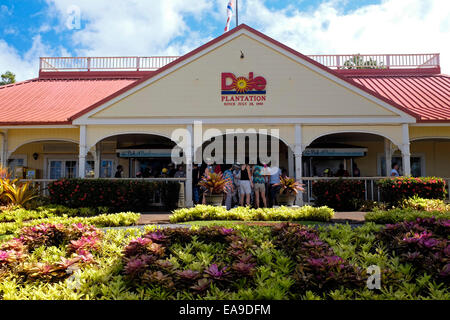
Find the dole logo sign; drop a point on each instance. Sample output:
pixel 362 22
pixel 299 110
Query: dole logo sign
pixel 243 91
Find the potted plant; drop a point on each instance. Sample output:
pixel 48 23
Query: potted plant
pixel 215 186
pixel 289 188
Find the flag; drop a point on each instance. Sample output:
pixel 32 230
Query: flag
pixel 229 14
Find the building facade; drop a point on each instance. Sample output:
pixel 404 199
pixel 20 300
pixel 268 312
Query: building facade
pixel 84 116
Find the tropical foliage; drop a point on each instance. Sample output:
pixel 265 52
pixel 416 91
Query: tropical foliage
pixel 339 194
pixel 395 190
pixel 214 183
pixel 202 212
pixel 289 186
pixel 118 195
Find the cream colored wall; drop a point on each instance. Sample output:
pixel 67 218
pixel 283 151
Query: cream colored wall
pixel 38 147
pixel 311 133
pixel 429 132
pixel 194 90
pixel 19 137
pixel 437 156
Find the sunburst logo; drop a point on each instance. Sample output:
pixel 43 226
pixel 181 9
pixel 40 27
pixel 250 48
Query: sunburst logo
pixel 242 85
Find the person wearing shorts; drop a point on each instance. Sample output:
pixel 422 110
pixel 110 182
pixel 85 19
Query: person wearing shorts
pixel 259 183
pixel 245 185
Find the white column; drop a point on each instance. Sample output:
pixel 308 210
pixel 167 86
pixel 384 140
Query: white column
pixel 82 153
pixel 290 162
pixel 97 160
pixel 406 154
pixel 388 155
pixel 298 152
pixel 189 155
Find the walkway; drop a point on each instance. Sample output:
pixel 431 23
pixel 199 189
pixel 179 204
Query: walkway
pixel 339 217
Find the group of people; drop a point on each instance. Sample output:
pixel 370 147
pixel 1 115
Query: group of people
pixel 247 184
pixel 342 172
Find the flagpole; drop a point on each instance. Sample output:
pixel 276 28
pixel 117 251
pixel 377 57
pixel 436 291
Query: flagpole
pixel 237 20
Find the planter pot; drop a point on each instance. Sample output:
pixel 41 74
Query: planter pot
pixel 214 199
pixel 286 199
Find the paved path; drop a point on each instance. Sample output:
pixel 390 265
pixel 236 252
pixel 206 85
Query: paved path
pixel 339 217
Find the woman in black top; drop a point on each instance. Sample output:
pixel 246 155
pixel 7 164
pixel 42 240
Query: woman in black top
pixel 245 185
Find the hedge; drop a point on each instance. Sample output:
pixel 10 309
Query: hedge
pixel 339 194
pixel 117 195
pixel 399 215
pixel 395 190
pixel 202 212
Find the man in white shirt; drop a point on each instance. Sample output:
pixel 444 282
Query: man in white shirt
pixel 394 171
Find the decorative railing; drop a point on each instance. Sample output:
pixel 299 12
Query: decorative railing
pixel 336 61
pixel 378 61
pixel 52 64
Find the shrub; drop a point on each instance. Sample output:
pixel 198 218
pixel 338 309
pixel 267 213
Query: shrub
pixel 398 215
pixel 423 243
pixel 214 183
pixel 339 194
pixel 395 190
pixel 16 193
pixel 318 268
pixel 422 204
pixel 118 195
pixel 77 240
pixel 172 259
pixel 101 221
pixel 21 214
pixel 202 212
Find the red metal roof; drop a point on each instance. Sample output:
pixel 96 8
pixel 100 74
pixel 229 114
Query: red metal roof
pixel 45 101
pixel 428 96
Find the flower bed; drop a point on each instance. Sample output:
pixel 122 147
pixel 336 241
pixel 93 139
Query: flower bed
pixel 339 194
pixel 191 261
pixel 202 212
pixel 248 263
pixel 118 195
pixel 75 243
pixel 103 220
pixel 423 243
pixel 395 190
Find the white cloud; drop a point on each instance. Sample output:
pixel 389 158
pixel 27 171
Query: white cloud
pixel 25 66
pixel 133 27
pixel 150 27
pixel 394 26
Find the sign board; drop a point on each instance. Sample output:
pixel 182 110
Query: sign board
pixel 323 152
pixel 144 153
pixel 243 91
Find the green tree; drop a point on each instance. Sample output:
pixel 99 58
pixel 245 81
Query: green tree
pixel 357 62
pixel 7 78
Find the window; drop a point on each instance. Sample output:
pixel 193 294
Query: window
pixel 15 162
pixel 58 169
pixel 417 165
pixel 106 169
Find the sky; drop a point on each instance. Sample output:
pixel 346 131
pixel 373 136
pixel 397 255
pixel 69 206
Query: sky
pixel 34 28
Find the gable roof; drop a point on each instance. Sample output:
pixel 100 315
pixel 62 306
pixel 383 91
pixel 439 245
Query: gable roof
pixel 243 27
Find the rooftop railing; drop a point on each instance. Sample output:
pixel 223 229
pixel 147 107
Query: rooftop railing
pixel 336 61
pixel 378 61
